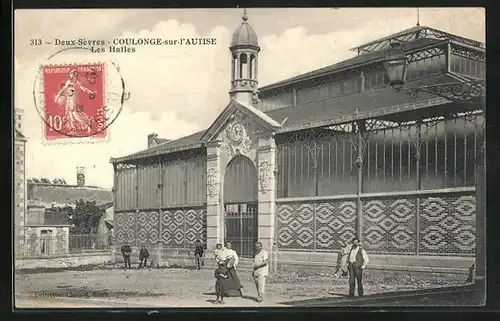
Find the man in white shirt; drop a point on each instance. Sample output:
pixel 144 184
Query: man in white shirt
pixel 357 262
pixel 260 270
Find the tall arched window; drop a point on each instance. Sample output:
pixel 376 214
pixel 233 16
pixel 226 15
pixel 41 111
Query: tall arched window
pixel 233 68
pixel 251 67
pixel 243 66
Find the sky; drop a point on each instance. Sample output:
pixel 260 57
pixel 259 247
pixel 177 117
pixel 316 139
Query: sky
pixel 177 90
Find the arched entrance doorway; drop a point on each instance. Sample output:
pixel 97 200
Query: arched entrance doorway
pixel 240 205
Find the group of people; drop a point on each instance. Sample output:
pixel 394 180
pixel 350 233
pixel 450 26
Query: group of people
pixel 227 282
pixel 352 260
pixel 143 256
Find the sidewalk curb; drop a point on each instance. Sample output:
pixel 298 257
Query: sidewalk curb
pixel 373 298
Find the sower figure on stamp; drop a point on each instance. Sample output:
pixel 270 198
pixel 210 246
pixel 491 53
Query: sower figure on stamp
pixel 221 275
pixel 67 95
pixel 260 270
pixel 198 254
pixel 126 251
pixel 357 262
pixel 143 256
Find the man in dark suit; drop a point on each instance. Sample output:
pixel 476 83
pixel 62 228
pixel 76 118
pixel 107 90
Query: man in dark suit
pixel 143 256
pixel 198 253
pixel 126 251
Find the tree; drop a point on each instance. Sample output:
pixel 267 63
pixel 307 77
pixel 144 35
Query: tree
pixel 85 216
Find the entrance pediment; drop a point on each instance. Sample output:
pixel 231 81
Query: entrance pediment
pixel 237 127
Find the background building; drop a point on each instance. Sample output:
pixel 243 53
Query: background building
pixel 307 163
pixel 46 223
pixel 57 193
pixel 19 175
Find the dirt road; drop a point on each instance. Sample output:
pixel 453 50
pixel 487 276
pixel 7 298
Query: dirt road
pixel 180 288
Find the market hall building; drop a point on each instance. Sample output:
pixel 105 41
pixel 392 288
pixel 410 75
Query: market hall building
pixel 307 163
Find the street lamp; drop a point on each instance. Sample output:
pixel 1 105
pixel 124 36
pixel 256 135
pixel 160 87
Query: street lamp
pixel 396 65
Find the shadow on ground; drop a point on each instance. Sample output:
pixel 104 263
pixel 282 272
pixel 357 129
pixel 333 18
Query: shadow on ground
pixel 86 292
pixel 21 271
pixel 247 297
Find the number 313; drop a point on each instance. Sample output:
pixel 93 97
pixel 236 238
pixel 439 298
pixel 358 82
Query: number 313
pixel 35 42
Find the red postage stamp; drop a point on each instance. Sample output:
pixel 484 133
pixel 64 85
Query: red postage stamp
pixel 74 101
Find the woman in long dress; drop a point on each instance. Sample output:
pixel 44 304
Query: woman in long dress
pixel 232 285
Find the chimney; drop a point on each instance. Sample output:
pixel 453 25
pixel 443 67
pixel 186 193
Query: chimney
pixel 152 139
pixel 18 120
pixel 80 176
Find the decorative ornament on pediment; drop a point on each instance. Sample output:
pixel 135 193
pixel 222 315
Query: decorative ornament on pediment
pixel 235 137
pixel 212 183
pixel 265 170
pixel 255 97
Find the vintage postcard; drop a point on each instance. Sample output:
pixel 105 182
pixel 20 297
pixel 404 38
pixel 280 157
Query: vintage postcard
pixel 249 157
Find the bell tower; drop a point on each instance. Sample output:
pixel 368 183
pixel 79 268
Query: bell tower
pixel 244 63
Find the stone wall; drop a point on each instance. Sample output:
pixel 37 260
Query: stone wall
pixel 62 240
pixel 34 245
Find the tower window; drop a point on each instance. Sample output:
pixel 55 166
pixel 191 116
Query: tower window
pixel 243 66
pixel 233 68
pixel 252 67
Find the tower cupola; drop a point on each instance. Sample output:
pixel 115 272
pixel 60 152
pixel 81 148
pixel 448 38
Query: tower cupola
pixel 244 63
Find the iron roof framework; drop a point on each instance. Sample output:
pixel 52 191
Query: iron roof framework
pixel 441 94
pixel 413 34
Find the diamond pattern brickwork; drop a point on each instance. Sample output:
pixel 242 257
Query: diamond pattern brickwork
pixel 389 225
pixel 296 226
pixel 182 227
pixel 335 224
pixel 148 228
pixel 125 228
pixel 447 224
pixel 323 225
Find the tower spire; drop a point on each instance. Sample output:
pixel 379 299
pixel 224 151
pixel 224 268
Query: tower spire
pixel 244 17
pixel 418 16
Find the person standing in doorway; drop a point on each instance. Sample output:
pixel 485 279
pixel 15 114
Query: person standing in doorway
pixel 198 254
pixel 357 262
pixel 143 256
pixel 126 251
pixel 260 270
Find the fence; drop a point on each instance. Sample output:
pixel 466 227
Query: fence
pixel 89 242
pixel 42 246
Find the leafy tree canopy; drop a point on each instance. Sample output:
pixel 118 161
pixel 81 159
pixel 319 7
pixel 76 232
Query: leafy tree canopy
pixel 84 217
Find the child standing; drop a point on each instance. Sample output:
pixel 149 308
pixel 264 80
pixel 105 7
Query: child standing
pixel 220 274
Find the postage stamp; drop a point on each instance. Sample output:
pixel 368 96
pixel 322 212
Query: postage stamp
pixel 74 101
pixel 77 98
